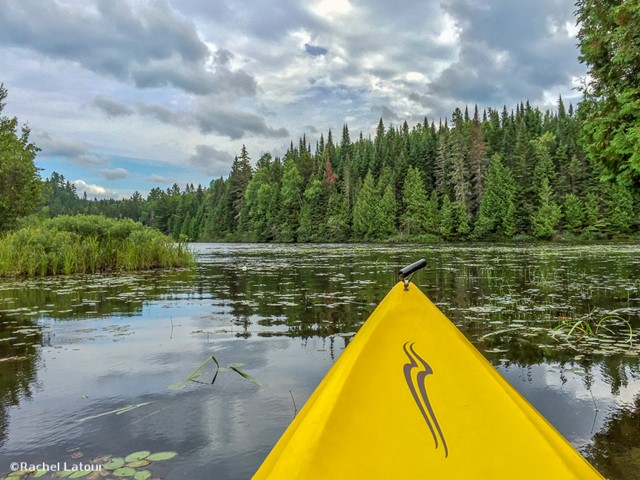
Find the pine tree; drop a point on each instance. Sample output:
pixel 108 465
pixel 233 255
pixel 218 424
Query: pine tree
pixel 447 218
pixel 547 217
pixel 432 220
pixel 365 210
pixel 291 195
pixel 619 203
pixel 414 199
pixel 497 207
pixel 386 215
pixel 573 213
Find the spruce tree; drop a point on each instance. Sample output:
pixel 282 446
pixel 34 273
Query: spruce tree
pixel 546 218
pixel 414 199
pixel 573 213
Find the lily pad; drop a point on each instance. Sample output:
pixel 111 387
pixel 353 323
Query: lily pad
pixel 135 456
pixel 142 475
pixel 156 457
pixel 124 472
pixel 63 474
pixel 80 474
pixel 115 463
pixel 138 463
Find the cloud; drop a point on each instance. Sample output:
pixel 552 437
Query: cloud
pixel 211 161
pixel 112 108
pixel 56 146
pixel 386 113
pixel 210 117
pixel 315 50
pixel 147 44
pixel 155 179
pixel 114 173
pixel 508 51
pixel 91 190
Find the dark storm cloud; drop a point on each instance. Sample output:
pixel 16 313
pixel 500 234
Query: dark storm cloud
pixel 150 45
pixel 210 160
pixel 509 51
pixel 112 108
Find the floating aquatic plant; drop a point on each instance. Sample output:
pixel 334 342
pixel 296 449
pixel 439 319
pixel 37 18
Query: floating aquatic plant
pixel 198 373
pixel 124 467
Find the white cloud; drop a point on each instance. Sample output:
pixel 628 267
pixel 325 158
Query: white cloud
pixel 91 190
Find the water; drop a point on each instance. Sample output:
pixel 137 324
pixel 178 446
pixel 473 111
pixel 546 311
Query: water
pixel 77 351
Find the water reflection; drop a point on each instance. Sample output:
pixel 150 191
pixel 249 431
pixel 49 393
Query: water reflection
pixel 82 346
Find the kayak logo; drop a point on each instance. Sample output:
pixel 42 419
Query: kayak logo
pixel 415 373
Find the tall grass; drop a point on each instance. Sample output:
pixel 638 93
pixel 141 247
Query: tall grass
pixel 87 244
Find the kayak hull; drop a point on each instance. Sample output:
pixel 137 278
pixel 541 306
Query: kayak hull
pixel 411 397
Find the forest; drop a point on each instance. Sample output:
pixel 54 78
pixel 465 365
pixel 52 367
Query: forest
pixel 492 175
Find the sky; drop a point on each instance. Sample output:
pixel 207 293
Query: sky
pixel 126 95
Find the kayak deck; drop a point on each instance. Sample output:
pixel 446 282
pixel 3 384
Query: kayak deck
pixel 411 397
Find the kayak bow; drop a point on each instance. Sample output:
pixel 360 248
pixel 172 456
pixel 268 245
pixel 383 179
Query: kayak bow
pixel 411 397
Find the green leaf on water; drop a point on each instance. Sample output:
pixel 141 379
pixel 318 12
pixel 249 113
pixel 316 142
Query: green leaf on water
pixel 132 457
pixel 63 474
pixel 142 475
pixel 196 373
pixel 114 463
pixel 39 473
pixel 248 377
pixel 124 472
pixel 156 457
pixel 138 463
pixel 80 474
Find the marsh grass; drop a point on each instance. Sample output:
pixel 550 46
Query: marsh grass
pixel 87 244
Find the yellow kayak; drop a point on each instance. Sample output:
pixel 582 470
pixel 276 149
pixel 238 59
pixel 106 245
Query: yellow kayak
pixel 412 398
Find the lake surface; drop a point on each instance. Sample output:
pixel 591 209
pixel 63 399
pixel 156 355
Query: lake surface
pixel 95 366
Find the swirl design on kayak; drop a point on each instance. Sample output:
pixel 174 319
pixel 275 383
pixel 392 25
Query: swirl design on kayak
pixel 417 387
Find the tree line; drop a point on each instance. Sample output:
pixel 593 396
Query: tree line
pixel 498 174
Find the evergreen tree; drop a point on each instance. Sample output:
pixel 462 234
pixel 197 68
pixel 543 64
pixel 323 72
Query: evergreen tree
pixel 365 210
pixel 547 217
pixel 447 218
pixel 573 213
pixel 497 207
pixel 386 214
pixel 414 199
pixel 619 204
pixel 291 194
pixel 609 36
pixel 432 220
pixel 313 213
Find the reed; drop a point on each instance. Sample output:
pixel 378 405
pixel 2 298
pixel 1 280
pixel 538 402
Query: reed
pixel 87 244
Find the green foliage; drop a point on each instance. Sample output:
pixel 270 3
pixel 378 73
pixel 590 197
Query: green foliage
pixel 573 213
pixel 405 183
pixel 619 203
pixel 609 38
pixel 20 186
pixel 414 199
pixel 86 244
pixel 365 210
pixel 547 217
pixel 447 219
pixel 497 207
